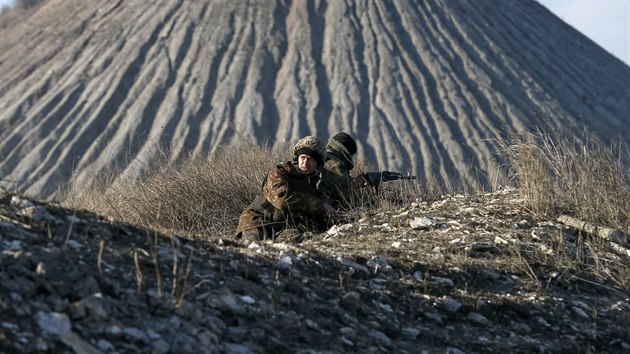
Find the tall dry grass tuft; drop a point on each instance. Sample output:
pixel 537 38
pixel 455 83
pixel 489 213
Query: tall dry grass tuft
pixel 197 196
pixel 586 178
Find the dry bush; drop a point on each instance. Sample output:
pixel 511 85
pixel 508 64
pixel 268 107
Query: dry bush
pixel 583 177
pixel 198 196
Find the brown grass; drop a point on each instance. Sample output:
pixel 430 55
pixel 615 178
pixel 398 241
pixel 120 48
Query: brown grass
pixel 561 175
pixel 199 196
pixel 205 196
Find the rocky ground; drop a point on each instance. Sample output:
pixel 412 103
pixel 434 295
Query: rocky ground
pixel 462 274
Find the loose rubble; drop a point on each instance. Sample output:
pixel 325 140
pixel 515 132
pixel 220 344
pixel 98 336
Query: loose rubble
pixel 429 277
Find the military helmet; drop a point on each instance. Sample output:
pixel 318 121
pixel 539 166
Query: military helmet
pixel 312 147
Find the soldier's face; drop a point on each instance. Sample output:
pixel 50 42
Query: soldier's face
pixel 306 164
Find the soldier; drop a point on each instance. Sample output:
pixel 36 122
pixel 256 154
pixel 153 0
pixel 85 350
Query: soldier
pixel 336 183
pixel 289 198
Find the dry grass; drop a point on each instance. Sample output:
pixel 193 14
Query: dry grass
pixel 204 196
pixel 199 196
pixel 560 175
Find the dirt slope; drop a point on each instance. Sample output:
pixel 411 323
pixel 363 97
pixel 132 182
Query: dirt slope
pixel 458 275
pixel 423 85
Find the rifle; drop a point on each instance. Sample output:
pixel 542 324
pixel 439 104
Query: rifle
pixel 375 179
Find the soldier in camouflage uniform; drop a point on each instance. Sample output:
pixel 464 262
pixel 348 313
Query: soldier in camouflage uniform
pixel 336 183
pixel 289 199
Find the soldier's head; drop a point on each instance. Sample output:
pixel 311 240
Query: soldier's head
pixel 343 147
pixel 309 154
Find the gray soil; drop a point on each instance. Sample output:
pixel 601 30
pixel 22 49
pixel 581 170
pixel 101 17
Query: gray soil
pixel 462 274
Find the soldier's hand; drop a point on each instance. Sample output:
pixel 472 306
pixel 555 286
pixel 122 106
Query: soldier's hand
pixel 360 181
pixel 331 212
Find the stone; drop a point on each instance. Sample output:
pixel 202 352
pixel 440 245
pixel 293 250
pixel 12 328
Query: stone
pixel 77 343
pixel 160 346
pixel 410 333
pixel 39 213
pixel 441 281
pixel 378 263
pixel 53 323
pixel 581 313
pixel 450 304
pixel 350 301
pixel 522 328
pixel 380 338
pixel 20 203
pixel 105 345
pixel 234 348
pixel 136 334
pixel 478 318
pixel 248 299
pixel 422 223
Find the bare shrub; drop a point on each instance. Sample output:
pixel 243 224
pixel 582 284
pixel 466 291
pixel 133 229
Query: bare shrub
pixel 557 175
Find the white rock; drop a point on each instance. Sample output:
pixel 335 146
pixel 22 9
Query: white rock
pixel 345 227
pixel 20 203
pixel 500 241
pixel 334 231
pixel 386 226
pixel 422 223
pixel 396 244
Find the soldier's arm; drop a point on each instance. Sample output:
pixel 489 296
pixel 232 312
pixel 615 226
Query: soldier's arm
pixel 276 190
pixel 336 181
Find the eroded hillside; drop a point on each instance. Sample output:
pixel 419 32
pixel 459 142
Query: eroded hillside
pixel 424 86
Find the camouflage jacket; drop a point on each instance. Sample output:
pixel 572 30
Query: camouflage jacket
pixel 289 199
pixel 336 183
